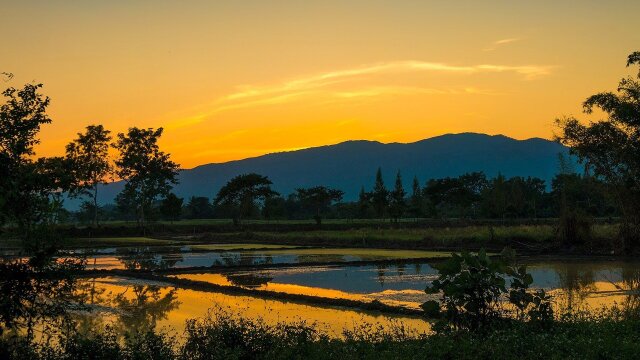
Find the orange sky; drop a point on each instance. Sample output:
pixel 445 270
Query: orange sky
pixel 233 79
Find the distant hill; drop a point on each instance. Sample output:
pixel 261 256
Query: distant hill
pixel 352 164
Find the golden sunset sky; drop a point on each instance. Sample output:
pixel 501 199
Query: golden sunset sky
pixel 234 79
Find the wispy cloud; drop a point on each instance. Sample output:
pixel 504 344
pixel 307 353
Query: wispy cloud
pixel 345 84
pixel 499 43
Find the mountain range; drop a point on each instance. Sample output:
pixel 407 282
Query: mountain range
pixel 352 164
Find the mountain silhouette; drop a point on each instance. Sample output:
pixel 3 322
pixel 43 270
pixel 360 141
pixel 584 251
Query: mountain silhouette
pixel 352 164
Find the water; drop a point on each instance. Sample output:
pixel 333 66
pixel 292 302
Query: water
pixel 150 259
pixel 130 304
pixel 576 284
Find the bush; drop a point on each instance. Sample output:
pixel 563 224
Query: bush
pixel 475 294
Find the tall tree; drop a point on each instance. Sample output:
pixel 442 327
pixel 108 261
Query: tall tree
pixel 242 192
pixel 364 199
pixel 319 198
pixel 397 204
pixel 417 200
pixel 89 154
pixel 171 207
pixel 611 147
pixel 380 195
pixel 147 171
pixel 199 207
pixel 25 186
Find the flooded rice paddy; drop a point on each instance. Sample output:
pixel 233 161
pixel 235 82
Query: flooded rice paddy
pixel 129 304
pixel 151 259
pixel 391 277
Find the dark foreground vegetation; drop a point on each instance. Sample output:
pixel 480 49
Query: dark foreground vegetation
pixel 609 336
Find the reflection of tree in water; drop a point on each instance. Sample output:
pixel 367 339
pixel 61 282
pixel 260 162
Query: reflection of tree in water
pixel 249 279
pixel 141 312
pixel 243 259
pixel 138 307
pixel 577 281
pixel 401 269
pixel 418 268
pixel 631 285
pixel 144 258
pixel 381 274
pixel 307 258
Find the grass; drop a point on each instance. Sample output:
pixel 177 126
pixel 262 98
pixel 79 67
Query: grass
pixel 117 241
pixel 234 246
pixel 222 336
pixel 449 238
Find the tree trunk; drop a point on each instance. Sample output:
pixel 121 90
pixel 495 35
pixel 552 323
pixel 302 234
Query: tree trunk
pixel 95 205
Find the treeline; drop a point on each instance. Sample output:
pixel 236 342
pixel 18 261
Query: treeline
pixel 471 195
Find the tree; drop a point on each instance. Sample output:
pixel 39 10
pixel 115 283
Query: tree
pixel 171 207
pixel 417 200
pixel 611 147
pixel 319 198
pixel 242 192
pixel 397 203
pixel 147 171
pixel 89 154
pixel 380 195
pixel 199 207
pixel 26 186
pixel 364 204
pixel 35 291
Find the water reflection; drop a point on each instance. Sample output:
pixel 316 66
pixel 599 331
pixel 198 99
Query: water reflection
pixel 140 307
pixel 146 258
pixel 575 284
pixel 131 306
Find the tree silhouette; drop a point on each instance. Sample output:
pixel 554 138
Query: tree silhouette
pixel 319 198
pixel 171 207
pixel 380 196
pixel 417 200
pixel 147 171
pixel 242 192
pixel 89 155
pixel 397 203
pixel 199 208
pixel 611 147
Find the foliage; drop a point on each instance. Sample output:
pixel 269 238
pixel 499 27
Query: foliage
pixel 242 192
pixel 611 147
pixel 473 287
pixel 147 171
pixel 36 292
pixel 380 195
pixel 89 157
pixel 397 204
pixel 171 207
pixel 199 208
pixel 225 337
pixel 456 194
pixel 319 198
pixel 29 190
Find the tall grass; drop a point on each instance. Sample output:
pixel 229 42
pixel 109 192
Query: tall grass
pixel 612 334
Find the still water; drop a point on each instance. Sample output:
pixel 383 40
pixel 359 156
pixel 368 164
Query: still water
pixel 575 284
pixel 150 259
pixel 135 303
pixel 131 304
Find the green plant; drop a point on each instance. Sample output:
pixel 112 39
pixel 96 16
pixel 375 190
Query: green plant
pixel 474 289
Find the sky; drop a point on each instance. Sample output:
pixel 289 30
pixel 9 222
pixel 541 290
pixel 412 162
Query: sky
pixel 234 79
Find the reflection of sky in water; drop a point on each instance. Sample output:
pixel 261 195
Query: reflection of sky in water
pixel 147 258
pixel 130 306
pixel 357 279
pixel 574 283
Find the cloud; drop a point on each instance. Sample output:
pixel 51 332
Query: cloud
pixel 341 85
pixel 500 43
